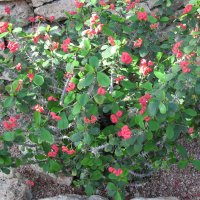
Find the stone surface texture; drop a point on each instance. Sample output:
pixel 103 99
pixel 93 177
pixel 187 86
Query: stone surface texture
pixel 75 197
pixel 13 189
pixel 159 198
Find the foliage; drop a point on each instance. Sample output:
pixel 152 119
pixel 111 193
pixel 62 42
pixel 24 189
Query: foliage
pixel 102 97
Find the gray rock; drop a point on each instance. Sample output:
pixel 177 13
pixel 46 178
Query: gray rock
pixel 20 11
pixel 159 198
pixel 145 6
pixel 56 9
pixel 75 197
pixel 12 188
pixel 37 3
pixel 151 3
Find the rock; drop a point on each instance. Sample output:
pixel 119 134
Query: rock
pixel 12 188
pixel 66 197
pixel 56 9
pixel 151 3
pixel 37 3
pixel 159 198
pixel 75 197
pixel 20 11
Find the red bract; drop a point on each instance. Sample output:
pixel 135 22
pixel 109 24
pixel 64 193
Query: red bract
pixel 187 9
pixel 31 77
pixel 19 86
pixel 30 183
pixel 101 91
pixel 111 40
pixel 118 79
pixel 54 46
pixel 112 6
pixel 73 12
pixel 54 151
pixel 92 120
pixel 114 119
pixel 94 19
pixel 51 98
pixel 98 29
pixel 147 118
pixel 78 4
pixel 130 6
pixel 51 18
pixel 55 117
pixel 184 66
pixel 2 46
pixel 183 26
pixel 145 68
pixel 125 132
pixel 38 108
pixel 3 27
pixel 10 124
pixel 126 58
pixel 31 19
pixel 154 26
pixel 119 113
pixel 191 130
pixel 7 10
pixel 71 87
pixel 176 51
pixel 102 3
pixel 142 16
pixel 117 172
pixel 18 67
pixel 143 102
pixel 138 43
pixel 65 44
pixel 66 150
pixel 13 46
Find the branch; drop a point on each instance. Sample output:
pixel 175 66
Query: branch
pixel 63 92
pixel 95 150
pixel 140 175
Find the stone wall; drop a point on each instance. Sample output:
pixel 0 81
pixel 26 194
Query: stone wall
pixel 21 10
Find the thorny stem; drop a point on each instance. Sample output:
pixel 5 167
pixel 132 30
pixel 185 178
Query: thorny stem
pixel 95 150
pixel 63 92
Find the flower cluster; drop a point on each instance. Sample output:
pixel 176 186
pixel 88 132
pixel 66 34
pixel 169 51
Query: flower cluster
pixel 55 117
pixel 145 67
pixel 119 78
pixel 31 77
pixel 187 9
pixel 30 183
pixel 3 27
pixel 78 4
pixel 19 86
pixel 92 119
pixel 142 16
pixel 54 151
pixel 111 41
pixel 65 44
pixel 18 67
pixel 114 117
pixel 117 172
pixel 176 51
pixel 66 150
pixel 11 123
pixel 101 91
pixel 125 132
pixel 126 58
pixel 38 108
pixel 138 43
pixel 51 98
pixel 143 102
pixel 154 26
pixel 13 46
pixel 70 87
pixel 184 66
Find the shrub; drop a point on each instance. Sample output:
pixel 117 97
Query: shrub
pixel 101 97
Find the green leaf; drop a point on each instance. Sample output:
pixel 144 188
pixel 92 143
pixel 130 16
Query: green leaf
pixel 143 52
pixel 89 78
pixel 197 88
pixel 69 98
pixel 3 34
pixel 94 61
pixel 153 125
pixel 99 99
pixel 9 102
pixel 45 136
pixel 182 164
pixel 17 30
pixel 196 164
pixel 161 76
pixel 37 118
pixel 76 109
pixel 170 131
pixel 188 49
pixel 54 166
pixel 8 136
pixel 118 196
pixel 63 123
pixel 38 80
pixel 190 112
pixel 162 108
pixel 164 19
pixel 87 44
pixel 152 19
pixel 83 99
pixel 96 175
pixel 153 108
pixel 103 79
pixel 110 51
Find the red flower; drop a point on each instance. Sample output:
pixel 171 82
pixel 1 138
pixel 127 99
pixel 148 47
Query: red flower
pixel 184 66
pixel 119 113
pixel 54 46
pixel 190 130
pixel 145 68
pixel 65 44
pixel 125 132
pixel 71 87
pixel 126 58
pixel 138 43
pixel 143 101
pixel 19 86
pixel 142 16
pixel 38 108
pixel 94 19
pixel 102 3
pixel 18 67
pixel 117 172
pixel 112 6
pixel 66 150
pixel 98 29
pixel 2 46
pixel 154 26
pixel 7 10
pixel 31 19
pixel 55 117
pixel 10 124
pixel 55 148
pixel 13 46
pixel 119 78
pixel 147 118
pixel 114 119
pixel 93 119
pixel 51 98
pixel 78 4
pixel 3 27
pixel 52 154
pixel 183 26
pixel 111 40
pixel 73 13
pixel 31 183
pixel 101 91
pixel 130 6
pixel 187 9
pixel 31 77
pixel 51 18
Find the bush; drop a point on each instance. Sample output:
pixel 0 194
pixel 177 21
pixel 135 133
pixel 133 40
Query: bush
pixel 102 97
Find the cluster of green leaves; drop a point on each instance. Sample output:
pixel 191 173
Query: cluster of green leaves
pixel 173 108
